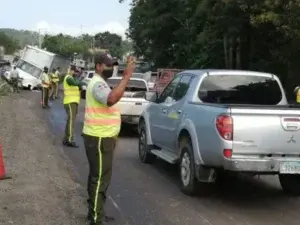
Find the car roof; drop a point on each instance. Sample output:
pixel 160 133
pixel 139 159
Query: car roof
pixel 225 72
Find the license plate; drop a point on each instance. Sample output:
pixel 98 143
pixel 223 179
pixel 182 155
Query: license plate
pixel 290 168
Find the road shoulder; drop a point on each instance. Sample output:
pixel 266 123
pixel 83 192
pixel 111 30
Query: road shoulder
pixel 43 188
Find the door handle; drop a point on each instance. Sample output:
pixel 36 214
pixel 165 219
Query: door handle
pixel 164 110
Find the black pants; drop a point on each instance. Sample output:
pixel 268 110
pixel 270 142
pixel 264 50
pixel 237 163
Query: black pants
pixel 15 84
pixel 45 96
pixel 71 110
pixel 99 152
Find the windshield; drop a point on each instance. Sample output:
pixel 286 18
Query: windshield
pixel 141 67
pixel 29 68
pixel 240 89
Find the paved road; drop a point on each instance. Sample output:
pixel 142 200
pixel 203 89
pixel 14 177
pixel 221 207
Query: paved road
pixel 149 195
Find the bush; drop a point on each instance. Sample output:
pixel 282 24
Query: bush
pixel 5 88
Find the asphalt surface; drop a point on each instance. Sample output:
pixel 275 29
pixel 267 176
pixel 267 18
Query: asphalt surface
pixel 149 194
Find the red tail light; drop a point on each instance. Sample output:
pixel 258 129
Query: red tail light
pixel 227 153
pixel 224 126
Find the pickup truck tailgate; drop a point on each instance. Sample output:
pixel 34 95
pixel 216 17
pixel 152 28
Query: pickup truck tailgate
pixel 132 106
pixel 273 132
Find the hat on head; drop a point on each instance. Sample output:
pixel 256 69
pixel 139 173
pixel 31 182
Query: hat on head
pixel 72 67
pixel 105 58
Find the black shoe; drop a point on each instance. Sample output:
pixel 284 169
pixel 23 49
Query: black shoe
pixel 108 218
pixel 70 144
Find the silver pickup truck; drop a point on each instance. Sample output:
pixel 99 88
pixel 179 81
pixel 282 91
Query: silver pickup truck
pixel 215 121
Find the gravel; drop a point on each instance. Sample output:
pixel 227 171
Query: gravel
pixel 43 189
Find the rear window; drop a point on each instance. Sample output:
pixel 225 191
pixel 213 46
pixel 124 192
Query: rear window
pixel 133 85
pixel 240 89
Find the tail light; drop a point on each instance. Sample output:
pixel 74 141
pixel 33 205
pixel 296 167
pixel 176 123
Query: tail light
pixel 227 153
pixel 224 126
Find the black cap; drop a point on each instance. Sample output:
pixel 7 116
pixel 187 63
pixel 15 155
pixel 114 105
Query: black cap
pixel 105 58
pixel 72 67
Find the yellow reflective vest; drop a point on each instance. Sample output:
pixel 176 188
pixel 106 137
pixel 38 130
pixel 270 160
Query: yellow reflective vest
pixel 45 80
pixel 100 120
pixel 71 93
pixel 298 96
pixel 54 77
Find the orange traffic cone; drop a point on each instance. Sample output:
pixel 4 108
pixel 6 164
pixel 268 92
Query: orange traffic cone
pixel 2 167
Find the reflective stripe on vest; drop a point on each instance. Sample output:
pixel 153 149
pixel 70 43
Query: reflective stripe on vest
pixel 71 93
pixel 298 96
pixel 55 78
pixel 100 120
pixel 46 81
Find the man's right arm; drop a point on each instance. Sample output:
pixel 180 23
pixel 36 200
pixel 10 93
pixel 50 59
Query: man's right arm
pixel 73 82
pixel 116 94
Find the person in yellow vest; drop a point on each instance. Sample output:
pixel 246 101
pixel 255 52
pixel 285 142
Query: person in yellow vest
pixel 45 88
pixel 71 101
pixel 51 85
pixel 297 93
pixel 54 81
pixel 101 127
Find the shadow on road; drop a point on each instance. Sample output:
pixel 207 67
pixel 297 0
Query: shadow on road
pixel 128 131
pixel 235 190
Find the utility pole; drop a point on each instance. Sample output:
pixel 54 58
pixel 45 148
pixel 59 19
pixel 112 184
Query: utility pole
pixel 40 37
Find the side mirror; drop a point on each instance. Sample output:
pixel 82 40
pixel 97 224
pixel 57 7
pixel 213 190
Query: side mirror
pixel 151 96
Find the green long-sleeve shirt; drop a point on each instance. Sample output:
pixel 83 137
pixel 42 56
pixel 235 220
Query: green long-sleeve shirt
pixel 74 82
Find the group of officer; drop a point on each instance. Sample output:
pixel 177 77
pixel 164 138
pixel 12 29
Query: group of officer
pixel 102 124
pixel 49 86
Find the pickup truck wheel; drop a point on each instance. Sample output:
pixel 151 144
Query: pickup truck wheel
pixel 290 183
pixel 144 149
pixel 189 183
pixel 82 93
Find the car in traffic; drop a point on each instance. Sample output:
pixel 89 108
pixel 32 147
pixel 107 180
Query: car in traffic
pixel 86 79
pixel 133 102
pixel 215 121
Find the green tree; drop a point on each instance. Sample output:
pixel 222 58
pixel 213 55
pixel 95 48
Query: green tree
pixel 66 45
pixel 10 44
pixel 111 41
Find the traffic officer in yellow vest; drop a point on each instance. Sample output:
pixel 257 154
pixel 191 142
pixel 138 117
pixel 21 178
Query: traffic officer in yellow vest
pixel 101 127
pixel 71 101
pixel 54 81
pixel 45 88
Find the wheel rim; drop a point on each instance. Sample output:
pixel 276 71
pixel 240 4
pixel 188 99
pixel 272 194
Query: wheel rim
pixel 185 169
pixel 142 143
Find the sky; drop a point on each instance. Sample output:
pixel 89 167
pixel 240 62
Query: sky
pixel 66 16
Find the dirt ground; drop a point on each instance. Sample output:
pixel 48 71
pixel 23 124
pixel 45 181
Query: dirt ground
pixel 43 189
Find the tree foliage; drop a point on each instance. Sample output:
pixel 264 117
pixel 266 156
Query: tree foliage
pixel 111 41
pixel 10 44
pixel 239 34
pixel 23 37
pixel 67 45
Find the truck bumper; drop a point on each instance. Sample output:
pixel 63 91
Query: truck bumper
pixel 128 119
pixel 258 165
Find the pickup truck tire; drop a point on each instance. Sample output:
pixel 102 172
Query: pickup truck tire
pixel 188 180
pixel 290 184
pixel 145 155
pixel 82 93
